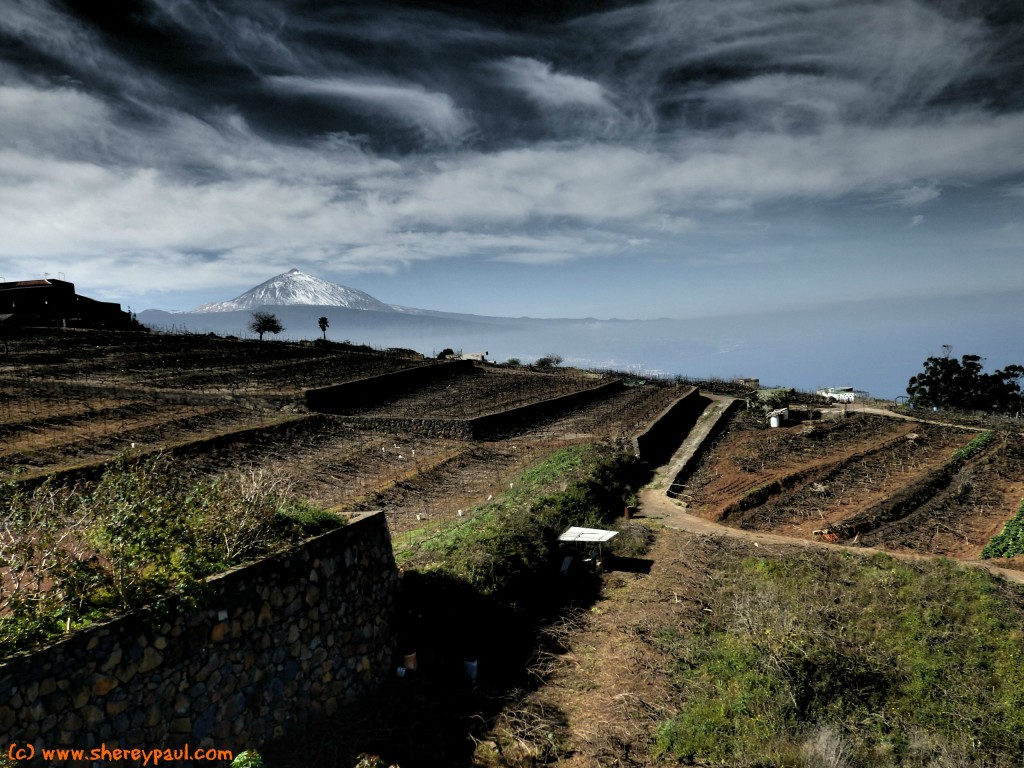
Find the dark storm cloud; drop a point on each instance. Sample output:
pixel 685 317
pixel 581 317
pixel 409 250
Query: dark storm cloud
pixel 370 135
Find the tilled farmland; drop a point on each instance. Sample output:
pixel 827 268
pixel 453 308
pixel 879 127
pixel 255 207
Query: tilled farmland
pixel 75 400
pixel 861 479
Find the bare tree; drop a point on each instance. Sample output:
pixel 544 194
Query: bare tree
pixel 265 322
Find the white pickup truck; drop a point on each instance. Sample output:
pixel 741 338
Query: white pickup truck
pixel 837 394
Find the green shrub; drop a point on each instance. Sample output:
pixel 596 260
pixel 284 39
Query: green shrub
pixel 248 759
pixel 974 447
pixel 310 520
pixel 505 546
pixel 1010 541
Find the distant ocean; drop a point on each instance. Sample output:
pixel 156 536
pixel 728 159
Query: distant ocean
pixel 870 345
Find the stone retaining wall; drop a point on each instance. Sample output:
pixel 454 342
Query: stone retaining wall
pixel 361 392
pixel 718 416
pixel 92 471
pixel 514 419
pixel 489 424
pixel 666 431
pixel 276 642
pixel 459 429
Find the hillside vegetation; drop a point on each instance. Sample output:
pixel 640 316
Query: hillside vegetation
pixel 837 660
pixel 73 555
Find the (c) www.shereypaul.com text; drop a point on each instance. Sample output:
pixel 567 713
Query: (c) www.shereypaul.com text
pixel 28 752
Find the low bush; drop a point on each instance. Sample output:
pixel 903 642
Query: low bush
pixel 508 545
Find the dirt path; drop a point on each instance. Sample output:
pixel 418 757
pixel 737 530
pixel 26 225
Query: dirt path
pixel 904 417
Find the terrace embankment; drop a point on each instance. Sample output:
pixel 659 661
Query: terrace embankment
pixel 273 644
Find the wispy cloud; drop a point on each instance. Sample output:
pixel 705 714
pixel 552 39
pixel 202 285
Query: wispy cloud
pixel 913 196
pixel 434 114
pixel 223 139
pixel 541 84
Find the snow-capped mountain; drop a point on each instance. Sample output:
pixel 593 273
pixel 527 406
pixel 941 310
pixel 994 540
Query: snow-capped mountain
pixel 297 288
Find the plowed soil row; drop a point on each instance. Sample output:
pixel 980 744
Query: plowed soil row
pixel 894 480
pixel 415 480
pixel 481 391
pixel 148 426
pixel 960 520
pixel 855 484
pixel 745 457
pixel 194 362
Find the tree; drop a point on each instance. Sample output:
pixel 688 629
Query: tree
pixel 265 322
pixel 324 324
pixel 960 384
pixel 548 362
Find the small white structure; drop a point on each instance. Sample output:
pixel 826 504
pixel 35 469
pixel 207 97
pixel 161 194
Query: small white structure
pixel 587 535
pixel 842 394
pixel 479 357
pixel 837 394
pixel 589 540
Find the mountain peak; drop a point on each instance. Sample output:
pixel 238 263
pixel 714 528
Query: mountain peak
pixel 295 287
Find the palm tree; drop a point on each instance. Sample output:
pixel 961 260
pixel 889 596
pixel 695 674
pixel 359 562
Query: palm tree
pixel 265 322
pixel 324 324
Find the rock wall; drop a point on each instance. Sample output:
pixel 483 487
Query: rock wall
pixel 459 429
pixel 666 431
pixel 268 433
pixel 509 420
pixel 488 425
pixel 275 643
pixel 373 389
pixel 514 419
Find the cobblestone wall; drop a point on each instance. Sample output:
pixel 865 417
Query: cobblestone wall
pixel 276 642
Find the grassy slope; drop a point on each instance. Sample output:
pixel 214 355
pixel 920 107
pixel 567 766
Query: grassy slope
pixel 875 662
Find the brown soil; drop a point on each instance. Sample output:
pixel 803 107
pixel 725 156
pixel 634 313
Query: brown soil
pixel 607 685
pixel 959 521
pixel 69 400
pixel 829 472
pixel 604 685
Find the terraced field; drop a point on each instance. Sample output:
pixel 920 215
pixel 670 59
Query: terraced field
pixel 77 399
pixel 73 399
pixel 861 479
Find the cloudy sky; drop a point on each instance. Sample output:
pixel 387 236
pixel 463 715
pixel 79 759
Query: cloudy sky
pixel 626 159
